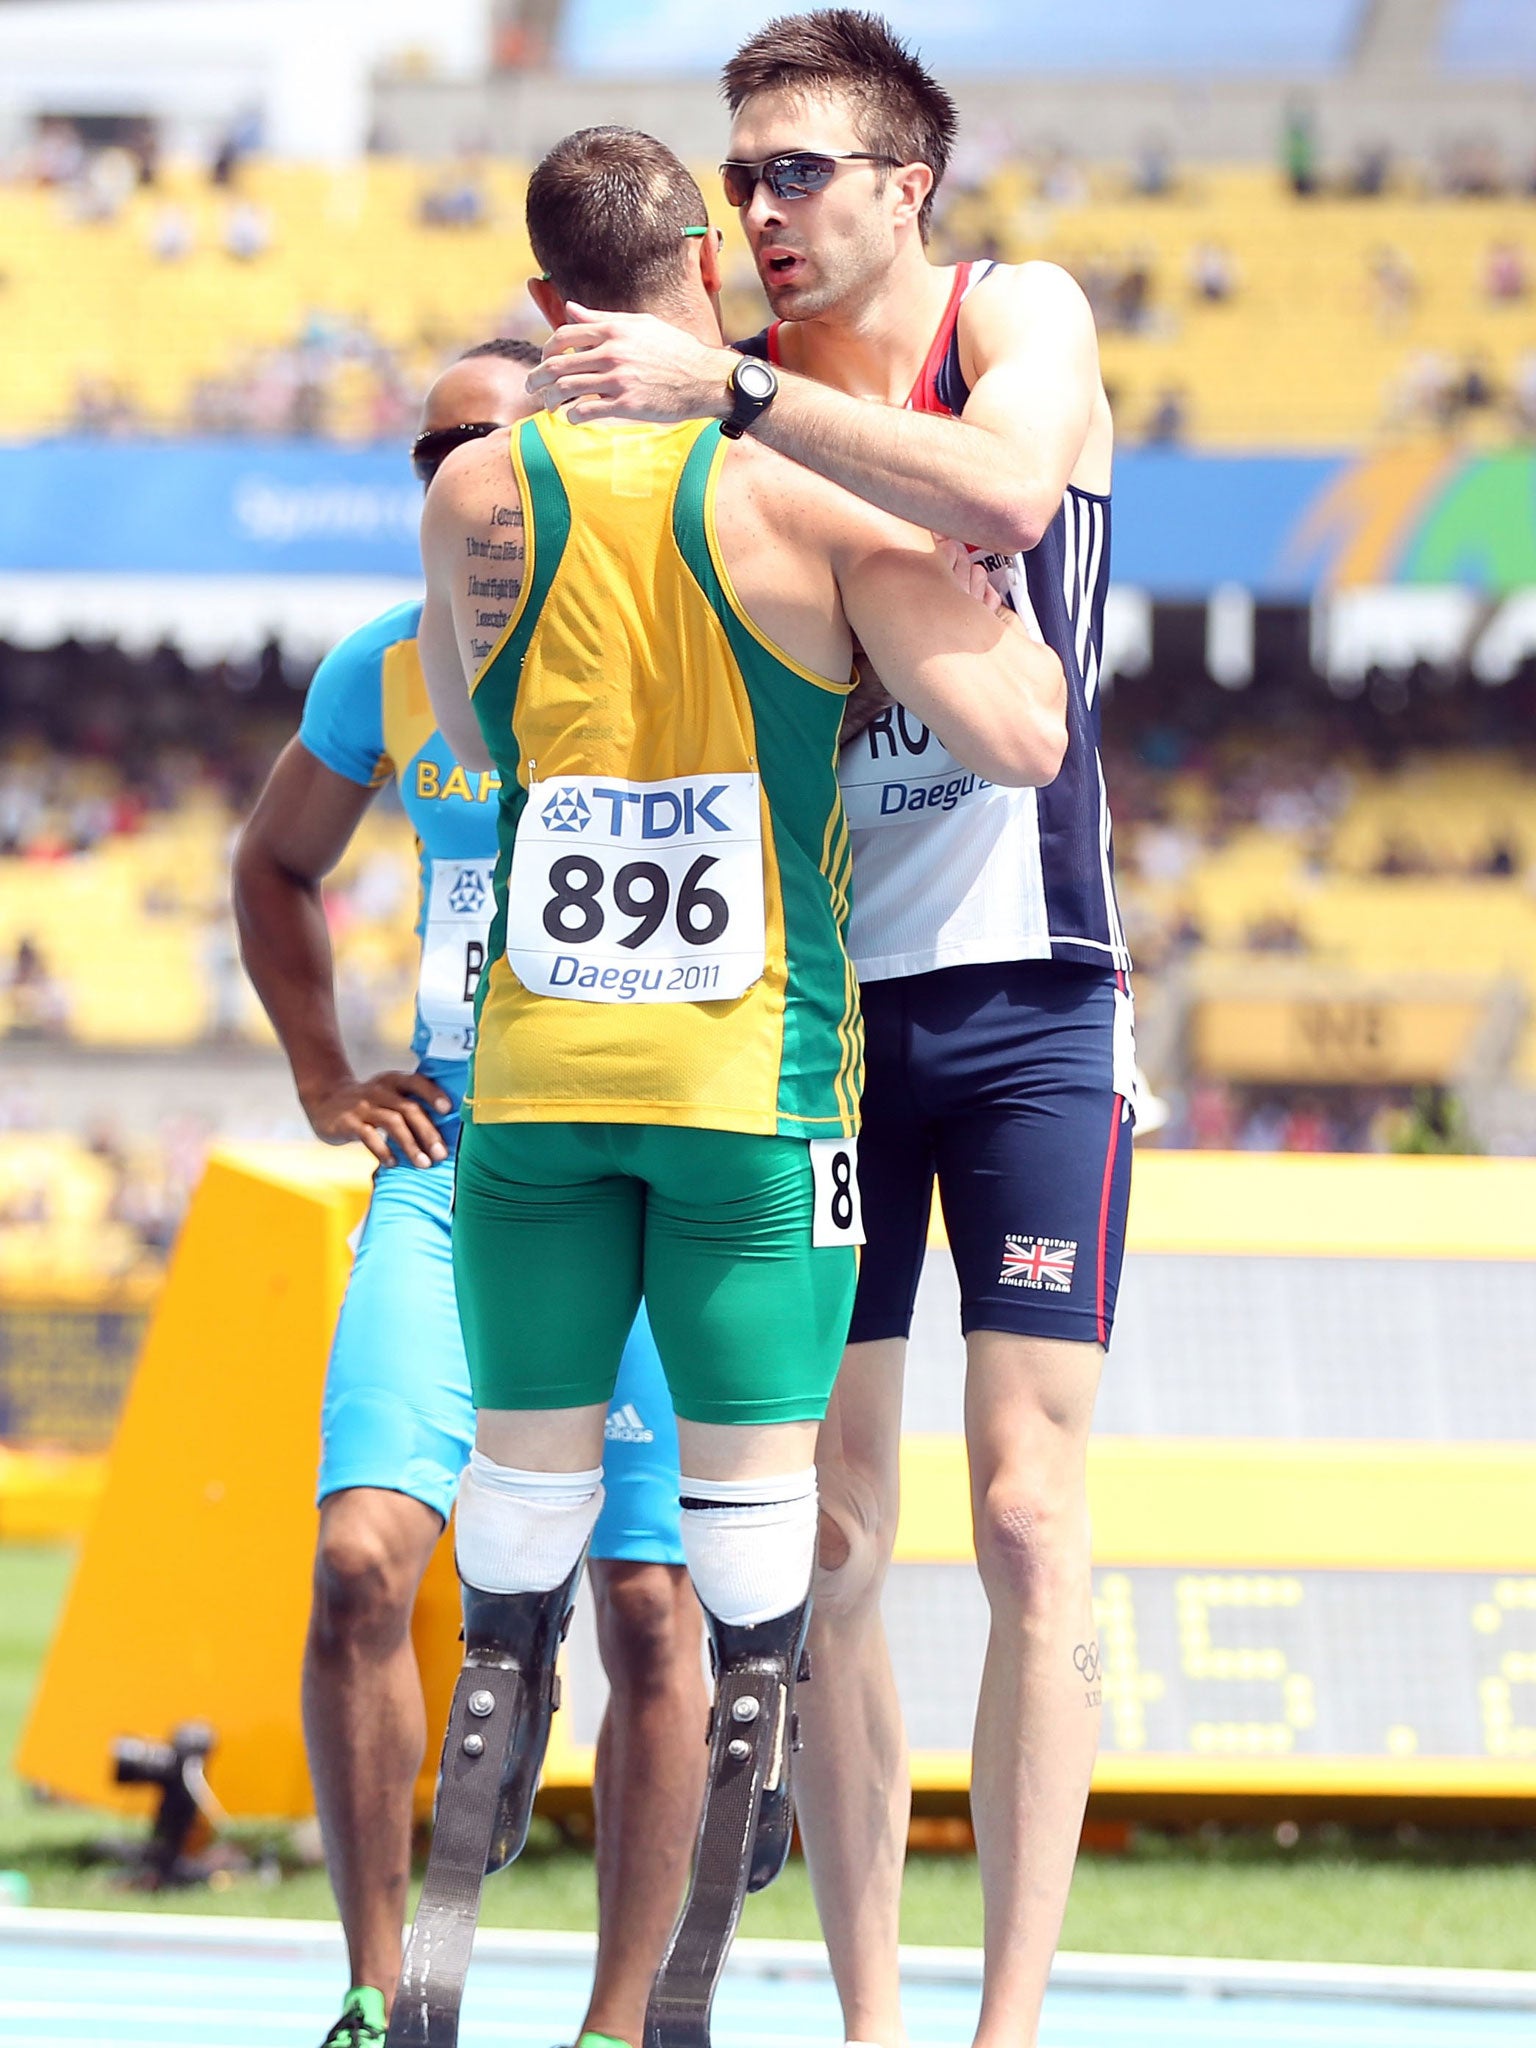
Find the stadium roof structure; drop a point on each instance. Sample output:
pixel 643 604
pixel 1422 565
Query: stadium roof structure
pixel 302 68
pixel 209 618
pixel 677 37
pixel 1213 81
pixel 232 618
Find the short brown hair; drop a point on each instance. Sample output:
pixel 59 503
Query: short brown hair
pixel 901 110
pixel 606 210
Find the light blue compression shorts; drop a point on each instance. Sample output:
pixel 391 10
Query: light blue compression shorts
pixel 397 1412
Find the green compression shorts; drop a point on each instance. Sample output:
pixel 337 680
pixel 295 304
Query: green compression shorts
pixel 559 1229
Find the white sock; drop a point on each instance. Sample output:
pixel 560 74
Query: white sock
pixel 522 1532
pixel 750 1543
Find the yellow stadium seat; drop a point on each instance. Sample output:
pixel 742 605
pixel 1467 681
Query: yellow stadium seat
pixel 1298 358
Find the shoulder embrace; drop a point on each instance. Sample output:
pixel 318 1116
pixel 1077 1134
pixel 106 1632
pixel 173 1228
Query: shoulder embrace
pixel 794 498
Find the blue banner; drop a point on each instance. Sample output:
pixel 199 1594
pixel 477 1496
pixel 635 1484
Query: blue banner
pixel 1280 526
pixel 1184 524
pixel 209 508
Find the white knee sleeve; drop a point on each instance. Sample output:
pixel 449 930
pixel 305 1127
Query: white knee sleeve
pixel 522 1532
pixel 749 1543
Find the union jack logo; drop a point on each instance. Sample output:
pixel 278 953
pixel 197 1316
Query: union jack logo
pixel 1045 1262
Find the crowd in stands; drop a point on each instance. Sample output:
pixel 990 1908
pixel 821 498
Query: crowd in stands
pixel 96 742
pixel 141 767
pixel 336 378
pixel 100 1206
pixel 150 764
pixel 1189 777
pixel 294 391
pixel 1215 1116
pixel 351 369
pixel 1437 390
pixel 96 167
pixel 1300 837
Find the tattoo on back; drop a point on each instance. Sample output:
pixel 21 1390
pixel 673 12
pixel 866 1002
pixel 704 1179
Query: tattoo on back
pixel 501 589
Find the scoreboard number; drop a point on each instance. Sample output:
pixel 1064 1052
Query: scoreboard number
pixel 1324 1663
pixel 1503 1732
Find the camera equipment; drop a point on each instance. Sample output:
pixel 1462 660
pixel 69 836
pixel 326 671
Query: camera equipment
pixel 177 1767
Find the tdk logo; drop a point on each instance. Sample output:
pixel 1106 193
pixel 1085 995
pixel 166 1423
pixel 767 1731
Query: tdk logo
pixel 663 813
pixel 566 811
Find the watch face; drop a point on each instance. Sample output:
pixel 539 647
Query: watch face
pixel 755 380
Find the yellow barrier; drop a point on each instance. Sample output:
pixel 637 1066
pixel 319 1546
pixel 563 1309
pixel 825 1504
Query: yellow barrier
pixel 1289 1505
pixel 192 1592
pixel 47 1496
pixel 1317 1205
pixel 190 1597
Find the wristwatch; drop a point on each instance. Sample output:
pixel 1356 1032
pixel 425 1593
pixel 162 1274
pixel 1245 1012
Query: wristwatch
pixel 752 387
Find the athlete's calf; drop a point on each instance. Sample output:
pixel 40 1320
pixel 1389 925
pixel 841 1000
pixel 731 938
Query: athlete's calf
pixel 649 1783
pixel 364 1719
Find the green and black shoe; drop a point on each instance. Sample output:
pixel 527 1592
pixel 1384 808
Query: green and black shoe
pixel 364 2021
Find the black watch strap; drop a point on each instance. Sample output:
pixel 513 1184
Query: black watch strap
pixel 753 386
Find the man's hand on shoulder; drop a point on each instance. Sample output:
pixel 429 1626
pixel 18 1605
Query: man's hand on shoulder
pixel 631 366
pixel 372 1112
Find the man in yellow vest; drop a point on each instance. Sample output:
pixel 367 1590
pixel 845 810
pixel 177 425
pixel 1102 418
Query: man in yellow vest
pixel 398 1421
pixel 649 633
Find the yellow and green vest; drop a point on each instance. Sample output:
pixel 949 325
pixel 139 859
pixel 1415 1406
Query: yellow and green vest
pixel 628 655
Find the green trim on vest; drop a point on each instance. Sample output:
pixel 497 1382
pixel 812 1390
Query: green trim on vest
pixel 795 725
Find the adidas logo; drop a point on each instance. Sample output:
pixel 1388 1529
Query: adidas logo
pixel 626 1425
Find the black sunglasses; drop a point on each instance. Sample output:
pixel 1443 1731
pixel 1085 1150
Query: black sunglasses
pixel 429 451
pixel 795 175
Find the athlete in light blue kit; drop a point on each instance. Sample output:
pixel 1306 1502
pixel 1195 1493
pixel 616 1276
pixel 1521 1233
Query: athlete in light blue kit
pixel 398 1422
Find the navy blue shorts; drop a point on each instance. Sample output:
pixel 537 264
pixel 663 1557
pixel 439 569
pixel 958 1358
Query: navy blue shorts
pixel 1011 1084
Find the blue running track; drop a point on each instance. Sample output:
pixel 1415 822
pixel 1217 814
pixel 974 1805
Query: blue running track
pixel 110 1980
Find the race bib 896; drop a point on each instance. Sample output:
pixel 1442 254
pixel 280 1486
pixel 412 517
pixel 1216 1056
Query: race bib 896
pixel 638 892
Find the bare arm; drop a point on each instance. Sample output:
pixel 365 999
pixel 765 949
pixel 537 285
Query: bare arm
pixel 936 637
pixel 447 685
pixel 995 476
pixel 471 545
pixel 302 824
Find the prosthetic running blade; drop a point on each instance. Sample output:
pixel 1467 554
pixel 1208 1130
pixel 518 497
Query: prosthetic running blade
pixel 748 1818
pixel 493 1751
